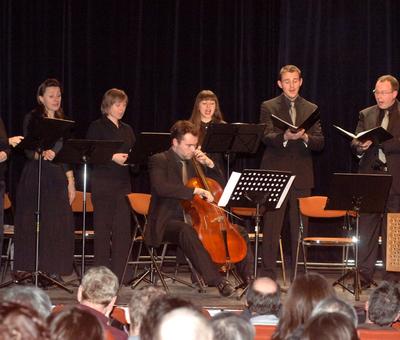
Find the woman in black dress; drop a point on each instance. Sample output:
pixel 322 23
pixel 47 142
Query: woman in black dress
pixel 56 241
pixel 206 111
pixel 110 183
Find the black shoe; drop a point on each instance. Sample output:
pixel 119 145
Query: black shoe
pixel 225 288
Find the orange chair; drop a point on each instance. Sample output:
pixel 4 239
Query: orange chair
pixel 264 332
pixel 251 212
pixel 313 207
pixel 377 334
pixel 77 208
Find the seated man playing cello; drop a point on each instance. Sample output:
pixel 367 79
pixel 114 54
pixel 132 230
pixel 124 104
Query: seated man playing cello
pixel 167 221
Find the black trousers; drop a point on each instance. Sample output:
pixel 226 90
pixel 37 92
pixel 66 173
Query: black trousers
pixel 273 221
pixel 185 236
pixel 371 226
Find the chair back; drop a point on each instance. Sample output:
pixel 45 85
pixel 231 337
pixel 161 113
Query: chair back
pixel 373 334
pixel 77 204
pixel 6 202
pixel 139 202
pixel 264 332
pixel 313 206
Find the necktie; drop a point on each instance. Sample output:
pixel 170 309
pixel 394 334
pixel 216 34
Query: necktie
pixel 292 112
pixel 384 124
pixel 184 172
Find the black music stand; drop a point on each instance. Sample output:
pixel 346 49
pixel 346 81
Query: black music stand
pixel 361 193
pixel 43 133
pixel 147 144
pixel 232 138
pixel 257 188
pixel 84 151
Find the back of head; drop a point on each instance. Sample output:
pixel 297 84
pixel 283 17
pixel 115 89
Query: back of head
pixel 304 294
pixel 184 324
pixel 74 323
pixel 330 326
pixel 229 326
pixel 157 309
pixel 99 285
pixel 384 304
pixel 21 322
pixel 29 296
pixel 139 304
pixel 336 305
pixel 263 297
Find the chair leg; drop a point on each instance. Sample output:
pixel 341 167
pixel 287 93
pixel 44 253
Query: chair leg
pixel 304 257
pixel 283 262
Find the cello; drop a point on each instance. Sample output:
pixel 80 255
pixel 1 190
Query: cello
pixel 218 235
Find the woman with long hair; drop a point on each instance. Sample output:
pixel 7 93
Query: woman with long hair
pixel 56 233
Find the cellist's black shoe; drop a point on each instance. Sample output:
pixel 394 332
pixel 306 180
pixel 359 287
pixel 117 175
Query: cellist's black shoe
pixel 225 288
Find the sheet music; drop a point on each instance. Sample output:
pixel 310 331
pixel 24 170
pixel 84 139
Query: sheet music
pixel 285 191
pixel 230 186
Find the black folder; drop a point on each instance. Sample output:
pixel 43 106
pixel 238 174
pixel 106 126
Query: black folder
pixel 377 135
pixel 306 125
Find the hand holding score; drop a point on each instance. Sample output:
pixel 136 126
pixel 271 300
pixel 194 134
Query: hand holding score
pixel 363 146
pixel 120 158
pixel 290 135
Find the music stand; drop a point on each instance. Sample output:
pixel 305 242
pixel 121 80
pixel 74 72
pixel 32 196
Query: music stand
pixel 147 144
pixel 361 193
pixel 256 188
pixel 43 133
pixel 232 138
pixel 84 151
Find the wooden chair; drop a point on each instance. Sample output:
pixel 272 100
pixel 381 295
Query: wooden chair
pixel 313 207
pixel 140 203
pixel 8 234
pixel 251 212
pixel 264 332
pixel 377 334
pixel 77 208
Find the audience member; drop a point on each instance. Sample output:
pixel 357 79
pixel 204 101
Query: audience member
pixel 303 295
pixel 21 322
pixel 330 326
pixel 184 324
pixel 74 323
pixel 30 296
pixel 97 295
pixel 383 306
pixel 229 326
pixel 336 305
pixel 157 309
pixel 138 305
pixel 263 302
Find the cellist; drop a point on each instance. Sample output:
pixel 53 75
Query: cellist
pixel 169 171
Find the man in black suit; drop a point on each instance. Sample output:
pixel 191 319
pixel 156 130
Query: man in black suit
pixel 380 159
pixel 288 151
pixel 166 220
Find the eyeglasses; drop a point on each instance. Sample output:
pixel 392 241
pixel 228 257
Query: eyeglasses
pixel 377 93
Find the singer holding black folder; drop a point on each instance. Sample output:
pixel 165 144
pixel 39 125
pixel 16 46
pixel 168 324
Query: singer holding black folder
pixel 56 244
pixel 288 151
pixel 377 158
pixel 110 183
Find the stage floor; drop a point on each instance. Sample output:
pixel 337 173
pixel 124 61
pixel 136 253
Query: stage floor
pixel 210 299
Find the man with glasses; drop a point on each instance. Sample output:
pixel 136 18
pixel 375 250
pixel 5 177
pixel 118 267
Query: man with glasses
pixel 381 159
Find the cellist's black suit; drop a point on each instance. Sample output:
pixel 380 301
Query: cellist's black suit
pixel 166 219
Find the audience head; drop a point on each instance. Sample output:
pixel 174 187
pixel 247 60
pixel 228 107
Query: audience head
pixel 30 296
pixel 383 306
pixel 21 322
pixel 229 326
pixel 184 324
pixel 206 108
pixel 74 323
pixel 99 289
pixel 304 294
pixel 139 304
pixel 329 326
pixel 336 305
pixel 111 97
pixel 263 297
pixel 48 97
pixel 157 309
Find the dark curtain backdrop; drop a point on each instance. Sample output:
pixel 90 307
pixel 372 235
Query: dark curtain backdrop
pixel 163 52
